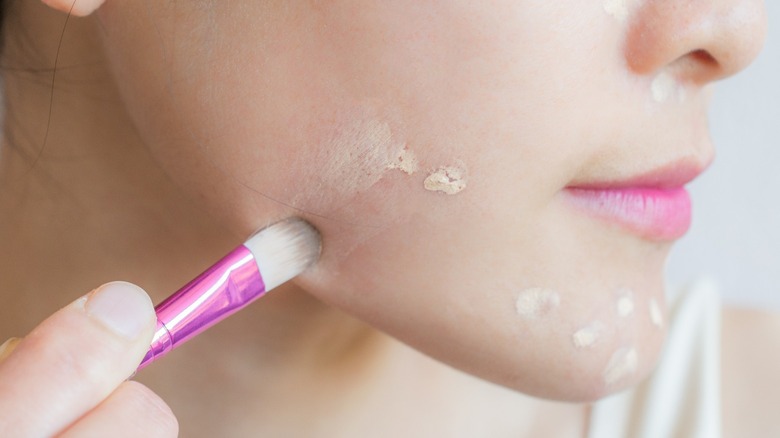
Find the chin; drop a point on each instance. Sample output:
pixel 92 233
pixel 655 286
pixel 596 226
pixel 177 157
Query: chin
pixel 602 334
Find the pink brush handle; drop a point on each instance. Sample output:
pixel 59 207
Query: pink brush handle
pixel 223 289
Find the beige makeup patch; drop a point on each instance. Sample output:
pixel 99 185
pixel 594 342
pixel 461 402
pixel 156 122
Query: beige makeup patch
pixel 656 316
pixel 536 302
pixel 622 364
pixel 665 86
pixel 625 303
pixel 405 162
pixel 354 153
pixel 446 179
pixel 618 9
pixel 588 335
pixel 358 156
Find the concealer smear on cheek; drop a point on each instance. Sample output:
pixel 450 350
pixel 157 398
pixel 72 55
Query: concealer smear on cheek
pixel 622 364
pixel 450 180
pixel 357 156
pixel 354 151
pixel 536 302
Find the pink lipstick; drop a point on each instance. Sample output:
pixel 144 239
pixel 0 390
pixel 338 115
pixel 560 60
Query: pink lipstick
pixel 653 213
pixel 654 205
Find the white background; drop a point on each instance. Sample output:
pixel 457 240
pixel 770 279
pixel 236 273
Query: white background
pixel 735 236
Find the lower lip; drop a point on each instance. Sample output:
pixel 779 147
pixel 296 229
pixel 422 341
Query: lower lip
pixel 655 214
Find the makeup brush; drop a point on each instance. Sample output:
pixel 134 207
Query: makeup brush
pixel 267 259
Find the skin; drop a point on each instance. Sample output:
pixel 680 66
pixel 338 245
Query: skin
pixel 198 124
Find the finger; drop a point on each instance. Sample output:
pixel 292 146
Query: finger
pixel 8 347
pixel 79 8
pixel 133 410
pixel 74 359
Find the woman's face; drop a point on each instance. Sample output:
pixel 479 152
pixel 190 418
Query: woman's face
pixel 432 143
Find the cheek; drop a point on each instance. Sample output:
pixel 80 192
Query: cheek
pixel 435 221
pixel 458 281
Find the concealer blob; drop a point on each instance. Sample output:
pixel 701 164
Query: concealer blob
pixel 656 316
pixel 406 162
pixel 622 364
pixel 665 86
pixel 625 303
pixel 618 9
pixel 588 335
pixel 446 179
pixel 536 302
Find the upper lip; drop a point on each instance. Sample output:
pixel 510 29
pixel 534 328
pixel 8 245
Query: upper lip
pixel 670 175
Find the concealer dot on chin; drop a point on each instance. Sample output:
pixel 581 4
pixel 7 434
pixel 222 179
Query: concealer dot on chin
pixel 589 335
pixel 625 303
pixel 622 364
pixel 536 302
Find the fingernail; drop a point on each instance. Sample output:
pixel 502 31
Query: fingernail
pixel 8 347
pixel 122 307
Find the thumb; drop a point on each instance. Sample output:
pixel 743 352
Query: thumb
pixel 74 359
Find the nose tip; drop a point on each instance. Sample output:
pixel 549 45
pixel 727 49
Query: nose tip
pixel 699 40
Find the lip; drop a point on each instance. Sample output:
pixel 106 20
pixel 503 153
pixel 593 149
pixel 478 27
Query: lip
pixel 654 205
pixel 672 175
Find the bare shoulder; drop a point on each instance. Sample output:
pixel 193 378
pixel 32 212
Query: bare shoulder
pixel 751 372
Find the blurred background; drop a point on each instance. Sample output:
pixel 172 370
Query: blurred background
pixel 735 236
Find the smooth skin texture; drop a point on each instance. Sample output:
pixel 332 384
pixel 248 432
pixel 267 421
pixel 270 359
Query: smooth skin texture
pixel 178 128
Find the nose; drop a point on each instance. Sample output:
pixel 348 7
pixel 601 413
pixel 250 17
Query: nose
pixel 697 41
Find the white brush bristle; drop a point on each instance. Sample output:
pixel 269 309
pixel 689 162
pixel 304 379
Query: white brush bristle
pixel 284 250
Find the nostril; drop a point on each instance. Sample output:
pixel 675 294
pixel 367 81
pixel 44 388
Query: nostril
pixel 704 57
pixel 698 66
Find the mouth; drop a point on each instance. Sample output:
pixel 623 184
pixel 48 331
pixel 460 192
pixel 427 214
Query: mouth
pixel 654 205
